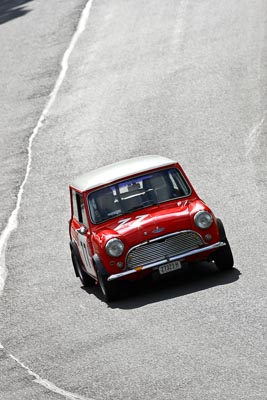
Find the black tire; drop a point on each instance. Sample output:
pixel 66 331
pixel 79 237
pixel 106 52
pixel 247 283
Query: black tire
pixel 221 230
pixel 108 289
pixel 84 277
pixel 223 257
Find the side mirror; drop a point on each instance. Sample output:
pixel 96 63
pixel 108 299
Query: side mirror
pixel 82 230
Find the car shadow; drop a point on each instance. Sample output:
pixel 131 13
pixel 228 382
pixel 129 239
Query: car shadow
pixel 189 280
pixel 11 9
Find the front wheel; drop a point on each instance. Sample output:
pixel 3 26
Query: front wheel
pixel 84 277
pixel 223 257
pixel 108 289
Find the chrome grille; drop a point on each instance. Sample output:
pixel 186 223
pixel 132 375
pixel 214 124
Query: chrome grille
pixel 163 247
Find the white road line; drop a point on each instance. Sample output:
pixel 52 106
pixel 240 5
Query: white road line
pixel 180 23
pixel 13 219
pixel 50 386
pixel 253 136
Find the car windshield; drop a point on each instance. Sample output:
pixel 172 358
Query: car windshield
pixel 136 193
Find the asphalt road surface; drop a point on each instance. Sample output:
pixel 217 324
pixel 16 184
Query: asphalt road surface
pixel 185 79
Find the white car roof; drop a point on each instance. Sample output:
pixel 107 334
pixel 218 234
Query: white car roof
pixel 119 170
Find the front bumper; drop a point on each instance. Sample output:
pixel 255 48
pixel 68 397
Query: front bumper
pixel 162 262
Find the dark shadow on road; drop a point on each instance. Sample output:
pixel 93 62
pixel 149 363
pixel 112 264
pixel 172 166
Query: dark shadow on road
pixel 192 279
pixel 10 9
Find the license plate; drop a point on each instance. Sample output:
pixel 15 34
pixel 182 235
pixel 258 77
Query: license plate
pixel 164 269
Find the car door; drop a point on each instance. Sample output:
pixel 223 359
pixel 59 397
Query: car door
pixel 83 234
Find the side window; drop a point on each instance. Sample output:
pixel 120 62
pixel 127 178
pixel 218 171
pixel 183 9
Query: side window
pixel 74 204
pixel 81 211
pixel 78 208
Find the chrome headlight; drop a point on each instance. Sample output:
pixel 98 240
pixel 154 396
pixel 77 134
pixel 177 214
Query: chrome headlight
pixel 203 219
pixel 114 247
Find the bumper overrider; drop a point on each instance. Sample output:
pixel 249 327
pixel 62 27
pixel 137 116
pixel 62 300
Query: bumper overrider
pixel 156 264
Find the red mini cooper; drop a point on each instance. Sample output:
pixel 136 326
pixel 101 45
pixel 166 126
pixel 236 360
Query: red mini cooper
pixel 139 216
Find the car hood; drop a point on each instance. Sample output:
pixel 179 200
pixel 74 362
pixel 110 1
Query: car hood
pixel 147 224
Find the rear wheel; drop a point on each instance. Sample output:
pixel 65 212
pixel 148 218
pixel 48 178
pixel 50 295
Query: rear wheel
pixel 84 277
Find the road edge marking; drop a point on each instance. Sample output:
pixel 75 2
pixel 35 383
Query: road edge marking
pixel 49 385
pixel 13 218
pixel 254 135
pixel 12 223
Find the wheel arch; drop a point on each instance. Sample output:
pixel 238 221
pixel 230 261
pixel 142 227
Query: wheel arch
pixel 221 229
pixel 99 265
pixel 74 250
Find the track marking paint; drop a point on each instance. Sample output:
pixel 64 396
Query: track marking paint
pixel 253 136
pixel 13 218
pixel 180 22
pixel 48 385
